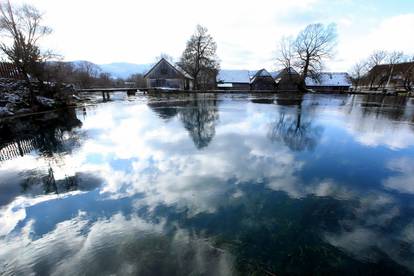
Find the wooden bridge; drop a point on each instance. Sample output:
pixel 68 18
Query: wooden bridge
pixel 106 91
pixel 132 91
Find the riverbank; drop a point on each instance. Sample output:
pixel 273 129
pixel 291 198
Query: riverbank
pixel 15 97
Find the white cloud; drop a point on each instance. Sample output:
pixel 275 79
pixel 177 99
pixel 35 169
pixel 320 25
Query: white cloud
pixel 390 34
pixel 403 182
pixel 118 245
pixel 247 34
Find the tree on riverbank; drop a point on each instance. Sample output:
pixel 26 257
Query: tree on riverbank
pixel 383 69
pixel 358 71
pixel 22 29
pixel 308 50
pixel 200 60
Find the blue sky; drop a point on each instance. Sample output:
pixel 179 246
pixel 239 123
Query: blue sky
pixel 247 33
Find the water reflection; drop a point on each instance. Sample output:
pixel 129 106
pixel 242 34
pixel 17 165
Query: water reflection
pixel 33 148
pixel 198 113
pixel 216 185
pixel 49 134
pixel 199 118
pixel 295 130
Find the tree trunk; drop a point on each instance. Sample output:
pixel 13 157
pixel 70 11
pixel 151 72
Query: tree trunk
pixel 302 83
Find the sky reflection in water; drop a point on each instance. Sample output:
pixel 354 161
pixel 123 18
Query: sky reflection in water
pixel 212 185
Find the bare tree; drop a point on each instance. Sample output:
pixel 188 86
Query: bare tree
pixel 164 56
pixel 358 71
pixel 199 58
pixel 375 75
pixel 378 75
pixel 138 80
pixel 286 54
pixel 377 58
pixel 86 73
pixel 314 44
pixel 22 27
pixel 393 58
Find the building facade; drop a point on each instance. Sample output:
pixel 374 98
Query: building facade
pixel 167 75
pixel 262 80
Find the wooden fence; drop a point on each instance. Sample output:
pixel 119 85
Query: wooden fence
pixel 9 71
pixel 17 148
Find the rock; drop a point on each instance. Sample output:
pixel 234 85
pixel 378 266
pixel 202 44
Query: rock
pixel 46 102
pixel 12 98
pixel 23 110
pixel 4 111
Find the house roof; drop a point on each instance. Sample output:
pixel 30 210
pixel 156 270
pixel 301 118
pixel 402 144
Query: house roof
pixel 262 73
pixel 275 74
pixel 247 76
pixel 329 79
pixel 233 76
pixel 180 70
pixel 398 67
pixel 289 70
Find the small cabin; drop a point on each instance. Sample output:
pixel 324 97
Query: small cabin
pixel 329 82
pixel 391 76
pixel 287 79
pixel 233 80
pixel 262 80
pixel 165 74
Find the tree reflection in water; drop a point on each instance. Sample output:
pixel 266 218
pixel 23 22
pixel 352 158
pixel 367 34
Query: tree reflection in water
pixel 49 134
pixel 199 118
pixel 293 130
pixel 53 136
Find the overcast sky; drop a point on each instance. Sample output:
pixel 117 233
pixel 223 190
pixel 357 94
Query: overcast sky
pixel 247 32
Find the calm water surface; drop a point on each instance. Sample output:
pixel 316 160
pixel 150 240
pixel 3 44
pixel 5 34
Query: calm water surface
pixel 211 185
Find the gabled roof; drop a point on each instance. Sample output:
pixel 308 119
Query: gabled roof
pixel 177 68
pixel 246 76
pixel 289 70
pixel 329 79
pixel 262 73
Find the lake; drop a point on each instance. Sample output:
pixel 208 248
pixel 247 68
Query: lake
pixel 211 185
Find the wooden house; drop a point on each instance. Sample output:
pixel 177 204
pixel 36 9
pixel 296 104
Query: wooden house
pixel 398 76
pixel 168 75
pixel 262 80
pixel 329 82
pixel 233 80
pixel 287 79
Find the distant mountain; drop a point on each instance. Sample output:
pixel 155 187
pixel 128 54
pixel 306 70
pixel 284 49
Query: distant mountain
pixel 124 69
pixel 119 69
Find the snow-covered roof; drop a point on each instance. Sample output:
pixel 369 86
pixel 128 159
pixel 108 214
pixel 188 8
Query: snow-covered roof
pixel 244 76
pixel 233 76
pixel 262 73
pixel 329 79
pixel 181 70
pixel 275 74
